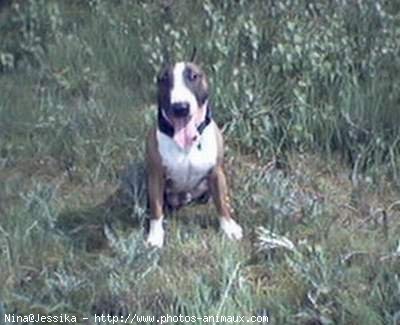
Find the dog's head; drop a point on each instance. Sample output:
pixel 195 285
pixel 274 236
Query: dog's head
pixel 183 110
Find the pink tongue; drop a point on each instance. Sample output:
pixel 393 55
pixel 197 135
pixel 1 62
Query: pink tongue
pixel 185 132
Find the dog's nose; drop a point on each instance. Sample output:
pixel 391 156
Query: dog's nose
pixel 180 109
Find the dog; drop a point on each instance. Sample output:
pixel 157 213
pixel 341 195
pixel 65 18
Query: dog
pixel 184 151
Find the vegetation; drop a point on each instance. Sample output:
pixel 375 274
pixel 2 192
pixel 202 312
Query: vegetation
pixel 308 96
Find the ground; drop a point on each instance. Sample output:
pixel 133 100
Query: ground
pixel 312 156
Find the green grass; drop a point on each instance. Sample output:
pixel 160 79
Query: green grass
pixel 308 101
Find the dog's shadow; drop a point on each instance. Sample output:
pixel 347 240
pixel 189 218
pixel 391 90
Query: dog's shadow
pixel 126 208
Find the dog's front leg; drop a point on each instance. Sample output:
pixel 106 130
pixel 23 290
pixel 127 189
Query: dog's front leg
pixel 156 200
pixel 219 192
pixel 155 188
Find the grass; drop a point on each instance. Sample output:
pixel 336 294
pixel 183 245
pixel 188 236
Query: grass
pixel 312 160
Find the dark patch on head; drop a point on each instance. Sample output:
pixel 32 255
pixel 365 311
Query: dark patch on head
pixel 196 81
pixel 165 82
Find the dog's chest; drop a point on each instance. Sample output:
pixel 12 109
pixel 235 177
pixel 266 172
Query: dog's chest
pixel 186 169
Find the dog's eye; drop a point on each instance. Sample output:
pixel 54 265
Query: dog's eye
pixel 193 76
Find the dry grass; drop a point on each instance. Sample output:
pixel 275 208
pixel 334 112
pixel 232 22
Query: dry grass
pixel 312 166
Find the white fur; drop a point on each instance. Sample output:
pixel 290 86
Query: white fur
pixel 156 233
pixel 187 167
pixel 180 92
pixel 231 228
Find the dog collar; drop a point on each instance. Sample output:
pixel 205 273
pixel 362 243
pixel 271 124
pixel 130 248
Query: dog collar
pixel 202 125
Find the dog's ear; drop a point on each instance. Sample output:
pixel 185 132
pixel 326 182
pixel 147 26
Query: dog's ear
pixel 194 53
pixel 166 55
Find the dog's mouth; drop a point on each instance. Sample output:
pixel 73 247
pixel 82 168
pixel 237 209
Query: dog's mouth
pixel 185 131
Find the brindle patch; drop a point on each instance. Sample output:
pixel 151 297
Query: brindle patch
pixel 196 81
pixel 165 82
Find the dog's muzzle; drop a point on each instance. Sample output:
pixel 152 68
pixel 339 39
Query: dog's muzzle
pixel 180 109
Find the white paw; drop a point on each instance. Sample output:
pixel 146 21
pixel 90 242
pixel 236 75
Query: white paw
pixel 231 228
pixel 156 233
